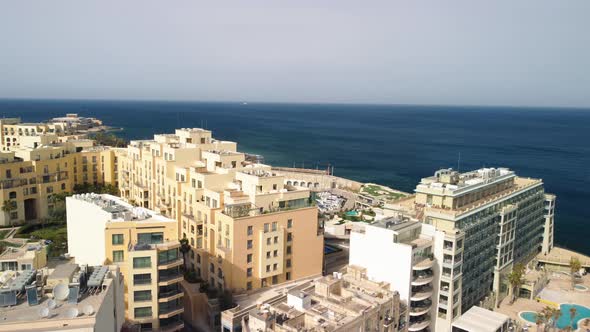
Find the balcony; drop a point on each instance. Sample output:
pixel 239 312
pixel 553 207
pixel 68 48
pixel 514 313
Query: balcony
pixel 167 264
pixel 173 326
pixel 422 279
pixel 422 293
pixel 167 311
pixel 419 310
pixel 419 325
pixel 169 277
pixel 170 295
pixel 423 264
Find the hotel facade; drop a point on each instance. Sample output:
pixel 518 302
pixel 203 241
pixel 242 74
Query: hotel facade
pixel 481 224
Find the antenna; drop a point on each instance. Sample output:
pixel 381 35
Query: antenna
pixel 61 292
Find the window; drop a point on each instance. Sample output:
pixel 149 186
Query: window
pixel 289 237
pixel 144 295
pixel 211 267
pixel 266 227
pixel 288 262
pixel 275 253
pixel 268 254
pixel 249 285
pixel 198 259
pixel 250 230
pixel 288 276
pixel 167 256
pixel 289 223
pixel 249 272
pixel 276 239
pixel 8 174
pixel 288 250
pixel 150 238
pixel 249 258
pixel 49 189
pixel 117 239
pixel 268 268
pixel 268 241
pixel 275 280
pixel 12 194
pixel 118 256
pixel 143 312
pixel 142 262
pixel 275 266
pixel 274 226
pixel 142 279
pixel 249 244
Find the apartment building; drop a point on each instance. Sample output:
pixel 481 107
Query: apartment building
pixel 247 227
pixel 65 297
pixel 410 269
pixel 144 245
pixel 32 172
pixel 339 302
pixel 14 133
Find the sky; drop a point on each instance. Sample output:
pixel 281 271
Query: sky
pixel 457 52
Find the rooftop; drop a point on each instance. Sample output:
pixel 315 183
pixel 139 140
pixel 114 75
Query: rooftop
pixel 36 305
pixel 24 251
pixel 478 319
pixel 451 182
pixel 121 210
pixel 396 224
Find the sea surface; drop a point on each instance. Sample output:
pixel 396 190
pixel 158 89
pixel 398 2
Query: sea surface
pixel 391 145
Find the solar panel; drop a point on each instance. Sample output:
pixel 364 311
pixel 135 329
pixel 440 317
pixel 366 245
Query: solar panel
pixel 32 296
pixel 73 295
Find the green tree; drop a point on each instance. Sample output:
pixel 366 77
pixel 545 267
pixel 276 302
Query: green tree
pixel 185 247
pixel 515 278
pixel 575 266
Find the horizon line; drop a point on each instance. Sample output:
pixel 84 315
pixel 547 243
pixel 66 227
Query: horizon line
pixel 179 101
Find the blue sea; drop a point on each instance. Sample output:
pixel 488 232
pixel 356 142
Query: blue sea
pixel 392 145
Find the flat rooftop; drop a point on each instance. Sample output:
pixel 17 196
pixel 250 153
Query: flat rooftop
pixel 121 210
pixel 395 224
pixel 478 319
pixel 24 251
pixel 23 312
pixel 463 181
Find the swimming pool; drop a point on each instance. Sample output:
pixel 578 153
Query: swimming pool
pixel 352 213
pixel 581 288
pixel 564 320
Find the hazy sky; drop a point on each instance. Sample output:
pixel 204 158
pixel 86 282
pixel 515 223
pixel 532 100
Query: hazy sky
pixel 492 52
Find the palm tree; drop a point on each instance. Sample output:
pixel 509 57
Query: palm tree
pixel 515 278
pixel 539 320
pixel 573 312
pixel 575 266
pixel 185 247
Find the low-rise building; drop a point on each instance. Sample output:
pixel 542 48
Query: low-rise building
pixel 65 298
pixel 338 302
pixel 28 256
pixel 143 243
pixel 478 319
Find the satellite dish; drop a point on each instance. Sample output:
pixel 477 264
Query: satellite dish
pixel 61 292
pixel 44 312
pixel 51 304
pixel 88 310
pixel 71 313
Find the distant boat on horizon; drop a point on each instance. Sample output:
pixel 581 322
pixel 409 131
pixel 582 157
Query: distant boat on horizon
pixel 244 103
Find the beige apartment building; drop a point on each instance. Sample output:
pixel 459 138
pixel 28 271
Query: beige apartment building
pixel 247 227
pixel 143 244
pixel 339 302
pixel 32 172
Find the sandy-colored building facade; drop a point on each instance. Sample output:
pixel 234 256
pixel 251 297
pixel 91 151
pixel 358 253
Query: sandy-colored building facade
pixel 143 244
pixel 247 228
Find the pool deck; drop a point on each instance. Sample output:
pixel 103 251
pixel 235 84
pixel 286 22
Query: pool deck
pixel 557 291
pixel 561 257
